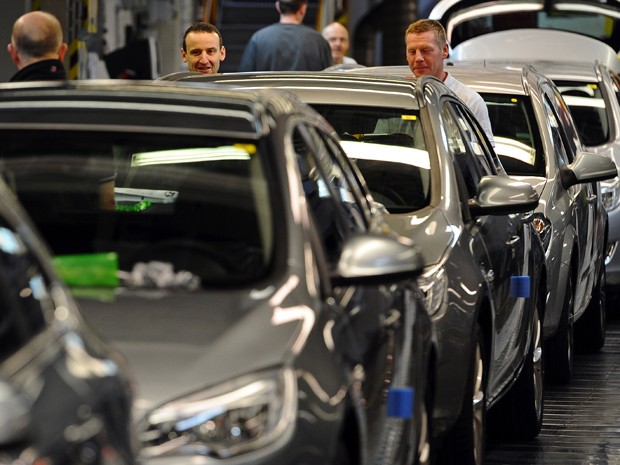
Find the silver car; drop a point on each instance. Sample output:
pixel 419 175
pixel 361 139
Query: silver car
pixel 592 96
pixel 586 77
pixel 65 394
pixel 426 161
pixel 538 141
pixel 225 244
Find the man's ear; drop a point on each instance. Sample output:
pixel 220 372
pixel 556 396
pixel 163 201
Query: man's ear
pixel 446 51
pixel 223 53
pixel 184 56
pixel 62 50
pixel 278 7
pixel 11 49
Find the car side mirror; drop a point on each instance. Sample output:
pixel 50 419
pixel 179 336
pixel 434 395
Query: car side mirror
pixel 588 167
pixel 377 259
pixel 502 195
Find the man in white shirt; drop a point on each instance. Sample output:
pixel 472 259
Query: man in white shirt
pixel 427 48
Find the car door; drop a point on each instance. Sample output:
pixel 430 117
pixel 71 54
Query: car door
pixel 501 246
pixel 583 198
pixel 380 317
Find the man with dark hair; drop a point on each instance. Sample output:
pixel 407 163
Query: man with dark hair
pixel 202 48
pixel 287 45
pixel 37 48
pixel 427 48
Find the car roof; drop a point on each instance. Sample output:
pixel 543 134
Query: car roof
pixel 144 106
pixel 577 71
pixel 511 78
pixel 570 71
pixel 335 87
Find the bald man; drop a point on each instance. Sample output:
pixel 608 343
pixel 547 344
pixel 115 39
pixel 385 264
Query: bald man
pixel 338 37
pixel 37 48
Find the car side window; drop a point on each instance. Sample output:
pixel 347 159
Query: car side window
pixel 478 144
pixel 568 131
pixel 553 124
pixel 334 203
pixel 466 161
pixel 24 297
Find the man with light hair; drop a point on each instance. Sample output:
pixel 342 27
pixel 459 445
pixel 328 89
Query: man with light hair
pixel 427 48
pixel 338 38
pixel 37 47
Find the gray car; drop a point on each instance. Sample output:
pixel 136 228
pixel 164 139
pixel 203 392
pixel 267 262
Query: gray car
pixel 225 244
pixel 586 77
pixel 65 394
pixel 527 107
pixel 427 162
pixel 537 141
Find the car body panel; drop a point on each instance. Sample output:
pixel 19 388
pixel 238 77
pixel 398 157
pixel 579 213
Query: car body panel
pixel 529 44
pixel 240 276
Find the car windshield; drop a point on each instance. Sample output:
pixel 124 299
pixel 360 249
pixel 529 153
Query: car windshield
pixel 196 209
pixel 517 140
pixel 388 146
pixel 587 107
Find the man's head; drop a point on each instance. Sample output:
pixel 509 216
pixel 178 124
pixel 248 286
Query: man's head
pixel 36 36
pixel 338 37
pixel 292 8
pixel 202 48
pixel 427 48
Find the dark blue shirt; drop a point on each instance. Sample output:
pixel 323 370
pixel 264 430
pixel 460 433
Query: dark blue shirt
pixel 286 47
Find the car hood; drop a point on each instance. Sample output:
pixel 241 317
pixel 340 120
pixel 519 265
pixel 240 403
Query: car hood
pixel 178 343
pixel 428 227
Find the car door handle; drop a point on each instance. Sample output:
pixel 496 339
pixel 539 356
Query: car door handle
pixel 592 198
pixel 513 240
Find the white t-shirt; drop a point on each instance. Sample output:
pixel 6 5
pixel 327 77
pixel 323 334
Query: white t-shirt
pixel 346 59
pixel 475 103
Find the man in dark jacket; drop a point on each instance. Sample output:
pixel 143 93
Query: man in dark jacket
pixel 37 48
pixel 287 45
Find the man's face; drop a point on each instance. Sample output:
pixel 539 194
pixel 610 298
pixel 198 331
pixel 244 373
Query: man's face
pixel 204 53
pixel 338 39
pixel 425 55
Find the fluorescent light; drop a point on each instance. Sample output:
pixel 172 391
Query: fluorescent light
pixel 193 155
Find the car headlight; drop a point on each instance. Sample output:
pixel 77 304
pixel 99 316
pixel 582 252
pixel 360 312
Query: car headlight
pixel 610 193
pixel 237 417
